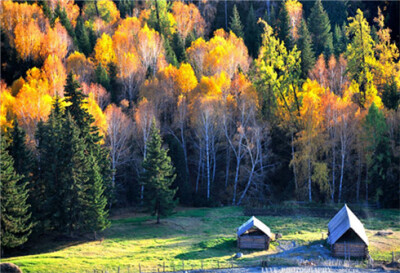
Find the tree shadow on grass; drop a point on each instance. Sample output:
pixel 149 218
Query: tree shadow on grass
pixel 46 243
pixel 210 249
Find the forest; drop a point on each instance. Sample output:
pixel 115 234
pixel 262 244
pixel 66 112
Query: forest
pixel 110 104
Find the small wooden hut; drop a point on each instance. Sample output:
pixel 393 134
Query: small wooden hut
pixel 253 234
pixel 346 235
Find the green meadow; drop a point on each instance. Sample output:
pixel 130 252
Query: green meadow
pixel 193 237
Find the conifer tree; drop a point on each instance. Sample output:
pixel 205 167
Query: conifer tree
pixel 338 45
pixel 253 34
pixel 74 175
pixel 361 58
pixel 90 134
pixel 62 14
pixel 102 76
pixel 49 189
pixel 114 84
pixel 22 156
pixel 82 37
pixel 179 48
pixel 94 200
pixel 391 95
pixel 236 25
pixel 158 176
pixel 304 44
pixel 283 27
pixel 15 217
pixel 378 154
pixel 169 52
pixel 320 29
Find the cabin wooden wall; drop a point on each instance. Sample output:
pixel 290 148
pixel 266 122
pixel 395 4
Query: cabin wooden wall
pixel 350 249
pixel 253 242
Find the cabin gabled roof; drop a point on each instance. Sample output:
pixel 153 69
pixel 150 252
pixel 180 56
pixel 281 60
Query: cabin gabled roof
pixel 254 222
pixel 342 222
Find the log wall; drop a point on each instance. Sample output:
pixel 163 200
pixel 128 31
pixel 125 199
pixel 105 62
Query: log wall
pixel 350 249
pixel 253 242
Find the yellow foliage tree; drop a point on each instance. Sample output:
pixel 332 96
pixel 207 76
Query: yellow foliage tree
pixel 104 51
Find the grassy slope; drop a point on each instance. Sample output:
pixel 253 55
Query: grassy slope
pixel 191 236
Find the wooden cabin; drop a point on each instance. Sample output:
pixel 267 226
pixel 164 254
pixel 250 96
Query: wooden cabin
pixel 253 234
pixel 346 235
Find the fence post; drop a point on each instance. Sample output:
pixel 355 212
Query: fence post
pixel 163 266
pixel 118 269
pixel 201 264
pixel 392 256
pixel 140 269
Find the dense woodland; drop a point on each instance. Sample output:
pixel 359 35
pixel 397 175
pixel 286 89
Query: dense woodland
pixel 108 104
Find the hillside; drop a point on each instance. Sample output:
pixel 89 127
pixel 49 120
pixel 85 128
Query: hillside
pixel 193 236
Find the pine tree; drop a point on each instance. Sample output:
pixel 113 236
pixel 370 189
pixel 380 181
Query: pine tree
pixel 169 52
pixel 377 153
pixel 126 7
pixel 16 225
pixel 82 37
pixel 391 95
pixel 114 84
pixel 338 45
pixel 158 176
pixel 49 188
pixel 320 29
pixel 283 27
pixel 304 44
pixel 90 134
pixel 236 25
pixel 253 35
pixel 94 200
pixel 102 76
pixel 62 14
pixel 179 48
pixel 22 156
pixel 74 175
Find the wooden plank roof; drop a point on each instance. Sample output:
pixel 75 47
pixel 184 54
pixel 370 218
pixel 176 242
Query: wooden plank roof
pixel 254 222
pixel 342 222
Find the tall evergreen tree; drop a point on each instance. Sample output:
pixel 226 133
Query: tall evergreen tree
pixel 15 217
pixel 178 46
pixel 74 176
pixel 338 44
pixel 253 34
pixel 283 27
pixel 90 133
pixel 22 156
pixel 169 51
pixel 126 7
pixel 378 155
pixel 49 189
pixel 304 44
pixel 391 95
pixel 94 200
pixel 62 14
pixel 82 37
pixel 320 29
pixel 235 24
pixel 158 176
pixel 101 76
pixel 114 85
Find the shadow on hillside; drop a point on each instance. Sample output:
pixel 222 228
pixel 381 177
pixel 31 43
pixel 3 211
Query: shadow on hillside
pixel 210 249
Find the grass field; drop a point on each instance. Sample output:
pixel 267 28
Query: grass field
pixel 191 236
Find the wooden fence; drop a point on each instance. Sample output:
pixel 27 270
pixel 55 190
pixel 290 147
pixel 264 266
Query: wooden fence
pixel 207 266
pixel 183 266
